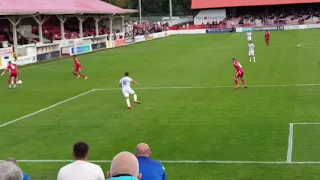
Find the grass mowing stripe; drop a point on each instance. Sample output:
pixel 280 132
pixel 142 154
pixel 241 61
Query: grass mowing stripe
pixel 150 88
pixel 182 162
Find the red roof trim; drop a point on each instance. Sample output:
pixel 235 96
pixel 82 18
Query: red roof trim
pixel 59 6
pixel 207 4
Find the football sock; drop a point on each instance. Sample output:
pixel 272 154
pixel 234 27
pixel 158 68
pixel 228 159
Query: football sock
pixel 243 81
pixel 250 59
pixel 254 59
pixel 128 102
pixel 9 85
pixel 135 98
pixel 236 81
pixel 9 81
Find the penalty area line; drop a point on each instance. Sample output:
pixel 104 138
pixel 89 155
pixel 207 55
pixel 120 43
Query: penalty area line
pixel 213 87
pixel 307 123
pixel 44 109
pixel 181 162
pixel 290 143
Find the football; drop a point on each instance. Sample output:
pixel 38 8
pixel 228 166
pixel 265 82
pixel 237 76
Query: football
pixel 19 82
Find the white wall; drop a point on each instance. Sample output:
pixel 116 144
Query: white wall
pixel 210 15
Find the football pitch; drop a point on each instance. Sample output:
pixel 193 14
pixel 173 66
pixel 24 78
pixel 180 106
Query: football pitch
pixel 191 116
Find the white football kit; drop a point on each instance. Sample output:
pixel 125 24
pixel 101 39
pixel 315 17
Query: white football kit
pixel 126 86
pixel 251 49
pixel 249 35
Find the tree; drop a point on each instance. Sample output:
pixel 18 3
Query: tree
pixel 156 7
pixel 120 3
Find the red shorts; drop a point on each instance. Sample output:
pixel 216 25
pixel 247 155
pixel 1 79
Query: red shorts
pixel 15 75
pixel 239 74
pixel 77 70
pixel 267 39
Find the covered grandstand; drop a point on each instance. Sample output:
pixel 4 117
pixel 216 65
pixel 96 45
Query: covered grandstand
pixel 209 4
pixel 39 10
pixel 19 7
pixel 250 13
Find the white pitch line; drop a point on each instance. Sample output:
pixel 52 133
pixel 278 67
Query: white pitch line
pixel 44 109
pixel 302 45
pixel 154 88
pixel 307 123
pixel 213 87
pixel 235 34
pixel 290 144
pixel 181 162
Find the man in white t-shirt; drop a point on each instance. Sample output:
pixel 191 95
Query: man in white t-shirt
pixel 81 169
pixel 251 52
pixel 125 83
pixel 249 35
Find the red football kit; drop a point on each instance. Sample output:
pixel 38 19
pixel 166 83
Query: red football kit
pixel 240 71
pixel 78 69
pixel 77 65
pixel 267 37
pixel 239 74
pixel 13 70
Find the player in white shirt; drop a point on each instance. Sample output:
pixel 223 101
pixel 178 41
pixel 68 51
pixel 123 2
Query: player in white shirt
pixel 249 35
pixel 251 52
pixel 81 169
pixel 125 83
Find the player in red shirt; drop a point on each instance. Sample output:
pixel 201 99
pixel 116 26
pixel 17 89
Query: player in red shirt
pixel 267 37
pixel 78 68
pixel 239 74
pixel 13 78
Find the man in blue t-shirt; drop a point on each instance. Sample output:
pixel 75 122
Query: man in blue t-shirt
pixel 150 169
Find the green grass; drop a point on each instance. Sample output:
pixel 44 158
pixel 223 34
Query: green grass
pixel 179 124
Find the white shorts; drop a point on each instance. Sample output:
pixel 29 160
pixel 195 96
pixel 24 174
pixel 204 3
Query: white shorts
pixel 127 92
pixel 251 53
pixel 249 39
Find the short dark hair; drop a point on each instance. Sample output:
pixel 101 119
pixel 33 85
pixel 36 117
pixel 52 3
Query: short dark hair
pixel 80 149
pixel 126 73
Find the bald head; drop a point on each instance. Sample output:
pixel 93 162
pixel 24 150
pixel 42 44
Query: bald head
pixel 124 163
pixel 10 171
pixel 143 149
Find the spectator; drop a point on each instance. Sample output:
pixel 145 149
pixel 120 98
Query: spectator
pixel 124 166
pixel 81 169
pixel 10 171
pixel 25 175
pixel 151 169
